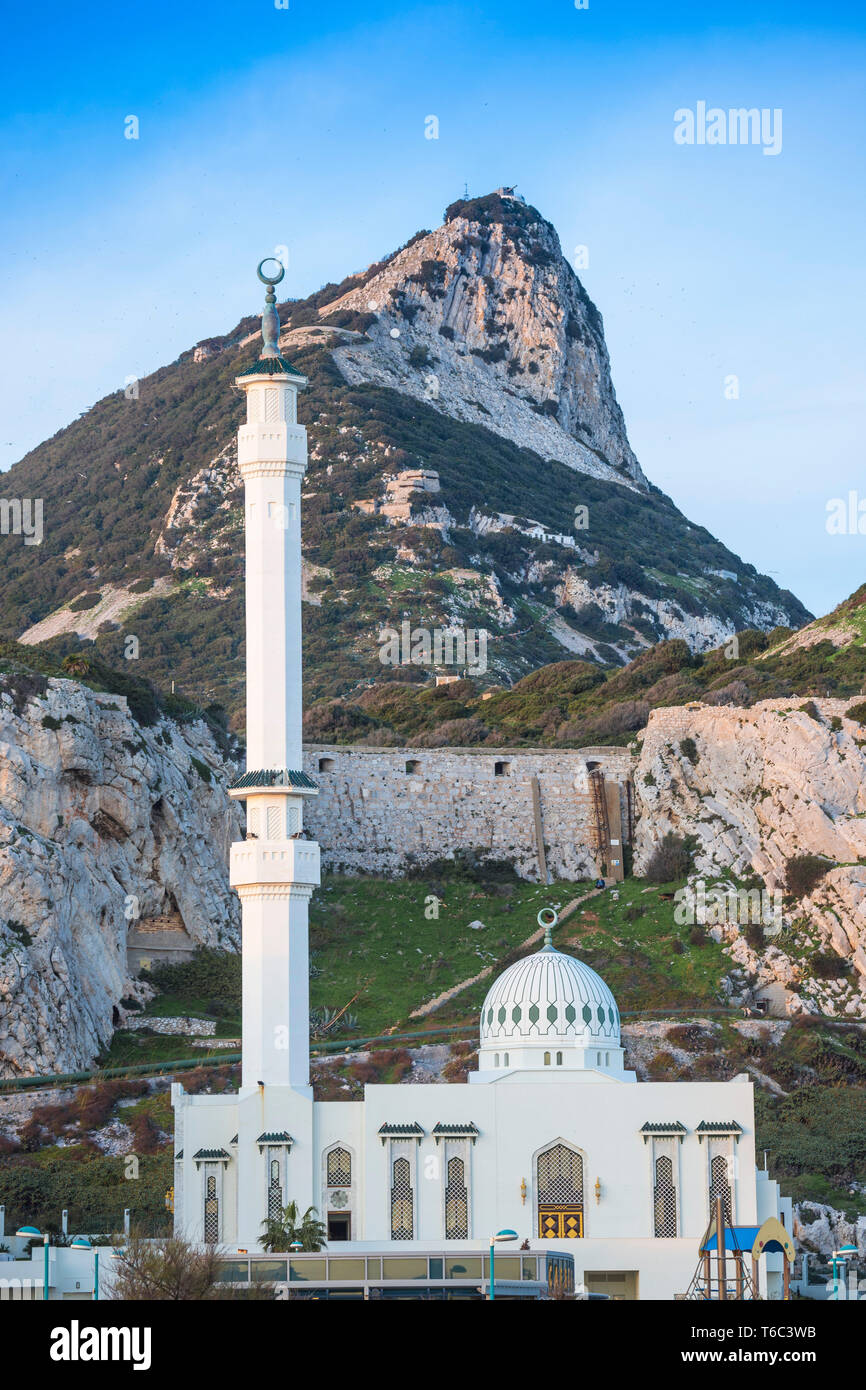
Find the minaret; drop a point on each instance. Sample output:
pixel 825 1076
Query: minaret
pixel 274 870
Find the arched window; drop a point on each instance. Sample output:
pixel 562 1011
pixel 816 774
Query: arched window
pixel 559 1059
pixel 547 1059
pixel 665 1199
pixel 402 1224
pixel 275 1190
pixel 456 1202
pixel 720 1186
pixel 505 1062
pixel 211 1211
pixel 496 1059
pixel 339 1168
pixel 559 1185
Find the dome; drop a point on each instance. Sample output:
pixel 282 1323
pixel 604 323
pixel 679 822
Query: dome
pixel 550 998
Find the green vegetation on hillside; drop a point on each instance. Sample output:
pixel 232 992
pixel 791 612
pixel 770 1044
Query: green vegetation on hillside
pixel 577 703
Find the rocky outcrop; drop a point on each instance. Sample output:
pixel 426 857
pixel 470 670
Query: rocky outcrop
pixel 488 322
pixel 103 825
pixel 821 1229
pixel 755 788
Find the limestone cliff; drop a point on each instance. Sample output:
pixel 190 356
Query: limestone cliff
pixel 507 335
pixel 104 826
pixel 756 788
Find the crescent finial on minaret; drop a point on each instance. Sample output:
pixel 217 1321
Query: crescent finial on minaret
pixel 270 317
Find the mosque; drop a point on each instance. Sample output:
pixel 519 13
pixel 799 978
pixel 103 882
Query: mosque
pixel 551 1138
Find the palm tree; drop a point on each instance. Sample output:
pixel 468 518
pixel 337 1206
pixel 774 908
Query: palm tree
pixel 290 1228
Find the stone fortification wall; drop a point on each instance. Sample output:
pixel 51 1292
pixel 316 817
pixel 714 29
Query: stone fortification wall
pixel 382 810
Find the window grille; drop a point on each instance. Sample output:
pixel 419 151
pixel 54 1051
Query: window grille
pixel 339 1168
pixel 293 819
pixel 665 1199
pixel 456 1202
pixel 254 820
pixel 272 404
pixel 402 1224
pixel 211 1212
pixel 720 1186
pixel 560 1176
pixel 275 1191
pixel 274 826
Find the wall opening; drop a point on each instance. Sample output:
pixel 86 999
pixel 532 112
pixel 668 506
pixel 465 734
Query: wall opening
pixel 502 769
pixel 339 1226
pixel 326 764
pixel 413 768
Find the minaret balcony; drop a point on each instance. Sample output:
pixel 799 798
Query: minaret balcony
pixel 275 861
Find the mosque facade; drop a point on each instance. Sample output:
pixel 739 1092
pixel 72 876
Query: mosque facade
pixel 551 1137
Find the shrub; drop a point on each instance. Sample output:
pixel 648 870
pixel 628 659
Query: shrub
pixel 826 965
pixel 857 713
pixel 209 974
pixel 83 602
pixel 670 860
pixel 689 749
pixel 804 872
pixel 662 1065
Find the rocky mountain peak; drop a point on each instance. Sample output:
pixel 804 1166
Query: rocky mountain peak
pixel 485 320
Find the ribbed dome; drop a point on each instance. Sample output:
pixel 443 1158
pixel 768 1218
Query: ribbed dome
pixel 550 997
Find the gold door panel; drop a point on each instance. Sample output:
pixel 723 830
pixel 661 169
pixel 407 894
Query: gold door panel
pixel 560 1223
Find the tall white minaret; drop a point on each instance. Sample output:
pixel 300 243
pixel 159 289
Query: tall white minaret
pixel 273 871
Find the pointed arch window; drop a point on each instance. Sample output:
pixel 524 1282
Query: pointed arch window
pixel 664 1199
pixel 402 1204
pixel 720 1186
pixel 211 1210
pixel 456 1201
pixel 559 1185
pixel 339 1168
pixel 275 1189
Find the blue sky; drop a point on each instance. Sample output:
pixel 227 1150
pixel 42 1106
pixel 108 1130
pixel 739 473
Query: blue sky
pixel 304 127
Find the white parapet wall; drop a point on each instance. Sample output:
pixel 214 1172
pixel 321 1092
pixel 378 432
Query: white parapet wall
pixel 382 810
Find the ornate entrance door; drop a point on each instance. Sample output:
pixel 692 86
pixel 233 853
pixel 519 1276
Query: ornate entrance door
pixel 559 1186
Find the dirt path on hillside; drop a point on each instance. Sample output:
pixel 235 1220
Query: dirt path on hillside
pixel 433 1004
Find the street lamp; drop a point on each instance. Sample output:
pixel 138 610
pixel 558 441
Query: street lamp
pixel 839 1264
pixel 34 1234
pixel 501 1236
pixel 82 1243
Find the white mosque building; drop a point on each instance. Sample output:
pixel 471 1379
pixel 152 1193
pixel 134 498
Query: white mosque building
pixel 551 1137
